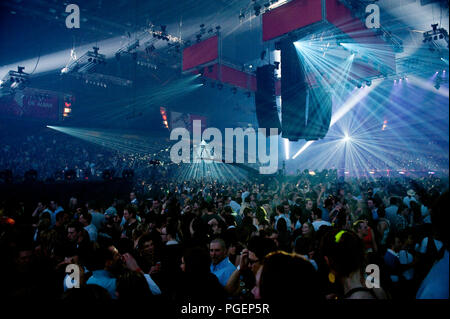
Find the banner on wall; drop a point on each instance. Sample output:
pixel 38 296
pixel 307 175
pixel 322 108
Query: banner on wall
pixel 185 120
pixel 31 103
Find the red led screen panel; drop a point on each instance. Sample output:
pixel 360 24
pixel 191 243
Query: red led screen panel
pixel 31 103
pixel 201 53
pixel 291 16
pixel 235 77
pixel 185 120
pixel 230 76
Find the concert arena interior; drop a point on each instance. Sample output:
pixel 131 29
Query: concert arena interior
pixel 224 157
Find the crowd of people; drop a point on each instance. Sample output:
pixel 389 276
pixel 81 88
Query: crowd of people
pixel 275 238
pixel 52 154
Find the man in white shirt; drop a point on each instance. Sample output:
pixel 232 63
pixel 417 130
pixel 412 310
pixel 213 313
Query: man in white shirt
pixel 221 266
pixel 316 215
pixel 85 219
pixel 169 235
pixel 281 214
pixel 410 196
pixel 392 210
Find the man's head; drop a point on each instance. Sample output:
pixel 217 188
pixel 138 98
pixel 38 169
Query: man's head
pixel 307 229
pixel 155 203
pixel 53 205
pixel 370 204
pixel 328 203
pixel 394 242
pixel 62 218
pixel 393 200
pixel 169 232
pixel 361 228
pixel 105 258
pixel 280 209
pixel 258 248
pixel 23 258
pixel 286 207
pixel 309 204
pixel 85 218
pixel 147 244
pixel 411 193
pixel 217 251
pixel 74 231
pixel 132 196
pixel 129 212
pixel 316 214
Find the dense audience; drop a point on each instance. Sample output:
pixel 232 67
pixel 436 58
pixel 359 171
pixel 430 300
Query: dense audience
pixel 217 237
pixel 53 155
pixel 235 241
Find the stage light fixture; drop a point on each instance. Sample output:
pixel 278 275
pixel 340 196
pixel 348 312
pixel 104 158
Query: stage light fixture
pixel 434 26
pixel 257 9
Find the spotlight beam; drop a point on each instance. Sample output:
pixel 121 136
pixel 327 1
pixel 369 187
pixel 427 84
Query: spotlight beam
pixel 344 109
pixel 286 148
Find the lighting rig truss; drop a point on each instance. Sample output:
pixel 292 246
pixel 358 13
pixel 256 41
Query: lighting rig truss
pixel 203 34
pixel 435 35
pixel 419 65
pixel 358 8
pixel 103 80
pixel 440 79
pixel 130 48
pixel 258 7
pixel 86 62
pixel 162 34
pixel 15 79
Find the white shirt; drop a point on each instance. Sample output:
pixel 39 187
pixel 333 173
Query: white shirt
pixel 407 200
pixel 316 224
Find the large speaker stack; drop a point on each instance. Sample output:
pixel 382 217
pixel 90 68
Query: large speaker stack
pixel 265 102
pixel 305 110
